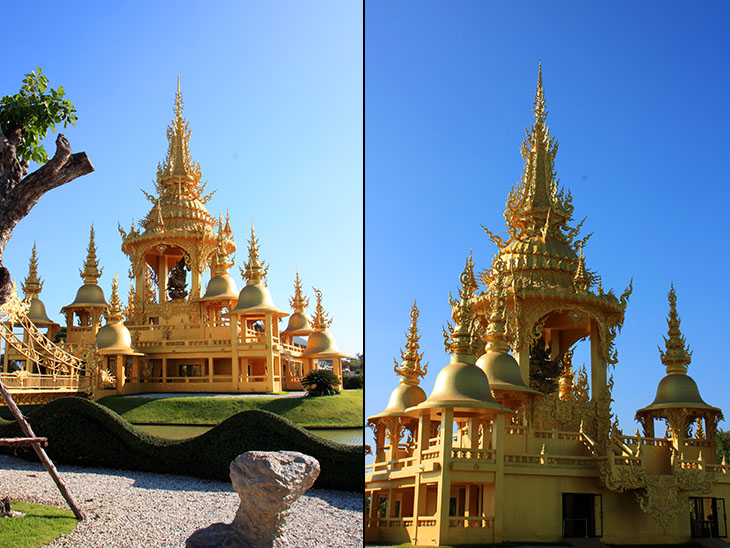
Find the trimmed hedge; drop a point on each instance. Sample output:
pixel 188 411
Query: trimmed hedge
pixel 352 382
pixel 84 433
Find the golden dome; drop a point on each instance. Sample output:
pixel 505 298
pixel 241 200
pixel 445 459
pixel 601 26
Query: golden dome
pixel 321 344
pixel 37 313
pixel 403 397
pixel 298 324
pixel 255 297
pixel 503 372
pixel 220 287
pixel 88 295
pixel 461 385
pixel 114 338
pixel 677 390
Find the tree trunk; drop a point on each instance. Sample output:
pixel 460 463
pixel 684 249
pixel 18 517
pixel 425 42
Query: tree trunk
pixel 20 192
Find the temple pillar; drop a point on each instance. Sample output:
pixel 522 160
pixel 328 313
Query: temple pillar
pixel 598 363
pixel 523 359
pixel 444 489
pixel 162 273
pixel 234 352
pixel 498 425
pixel 120 373
pixel 269 346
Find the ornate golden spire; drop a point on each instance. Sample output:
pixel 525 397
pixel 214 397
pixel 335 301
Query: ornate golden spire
pixel 255 271
pixel 221 262
pixel 496 335
pixel 227 229
pixel 32 285
pixel 320 321
pixel 410 368
pixel 149 289
pixel 298 302
pixel 177 162
pixel 677 356
pixel 129 311
pixel 581 280
pixel 91 272
pixel 459 339
pixel 115 312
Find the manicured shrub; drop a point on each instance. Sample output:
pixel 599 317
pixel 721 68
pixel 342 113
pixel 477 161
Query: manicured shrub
pixel 320 382
pixel 84 433
pixel 352 382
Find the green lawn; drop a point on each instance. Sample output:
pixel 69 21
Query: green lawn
pixel 344 409
pixel 40 525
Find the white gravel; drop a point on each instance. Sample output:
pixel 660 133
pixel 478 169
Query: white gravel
pixel 141 510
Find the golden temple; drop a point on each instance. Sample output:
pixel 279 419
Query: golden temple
pixel 521 447
pixel 174 335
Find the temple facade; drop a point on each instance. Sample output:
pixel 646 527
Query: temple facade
pixel 175 334
pixel 515 445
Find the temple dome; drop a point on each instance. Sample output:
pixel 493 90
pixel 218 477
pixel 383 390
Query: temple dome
pixel 298 324
pixel 321 344
pixel 90 295
pixel 220 287
pixel 37 313
pixel 461 385
pixel 677 391
pixel 404 396
pixel 256 297
pixel 114 338
pixel 502 371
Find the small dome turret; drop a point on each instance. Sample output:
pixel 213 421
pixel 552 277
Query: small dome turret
pixel 89 295
pixel 32 286
pixel 408 393
pixel 299 321
pixel 114 337
pixel 321 343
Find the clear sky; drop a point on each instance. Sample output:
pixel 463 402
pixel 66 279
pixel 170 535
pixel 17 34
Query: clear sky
pixel 637 94
pixel 273 92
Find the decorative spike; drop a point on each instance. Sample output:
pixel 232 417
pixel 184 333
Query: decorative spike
pixel 129 311
pixel 159 222
pixel 298 302
pixel 496 335
pixel 91 272
pixel 149 289
pixel 254 271
pixel 724 460
pixel 677 355
pixel 461 336
pixel 581 280
pixel 115 311
pixel 410 369
pixel 321 320
pixel 227 229
pixel 32 285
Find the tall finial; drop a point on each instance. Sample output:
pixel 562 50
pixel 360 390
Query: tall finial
pixel 677 355
pixel 227 229
pixel 115 312
pixel 320 321
pixel 298 302
pixel 129 311
pixel 581 280
pixel 496 336
pixel 177 162
pixel 32 285
pixel 91 272
pixel 410 369
pixel 254 271
pixel 459 338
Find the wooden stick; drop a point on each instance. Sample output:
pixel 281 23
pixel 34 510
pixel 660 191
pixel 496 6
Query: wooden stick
pixel 22 442
pixel 28 431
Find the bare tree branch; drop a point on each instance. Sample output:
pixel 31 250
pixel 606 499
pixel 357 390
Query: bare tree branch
pixel 18 194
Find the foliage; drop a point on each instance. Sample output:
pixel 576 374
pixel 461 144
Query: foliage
pixel 352 382
pixel 60 335
pixel 34 110
pixel 723 449
pixel 344 409
pixel 320 382
pixel 544 372
pixel 84 433
pixel 39 526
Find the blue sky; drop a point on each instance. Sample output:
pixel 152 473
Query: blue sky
pixel 637 99
pixel 273 92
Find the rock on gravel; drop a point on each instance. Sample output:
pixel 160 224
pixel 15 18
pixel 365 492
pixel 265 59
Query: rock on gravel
pixel 142 510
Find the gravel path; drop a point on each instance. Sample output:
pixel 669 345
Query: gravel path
pixel 141 510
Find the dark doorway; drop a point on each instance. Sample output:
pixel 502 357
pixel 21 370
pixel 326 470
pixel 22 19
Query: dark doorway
pixel 582 515
pixel 707 517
